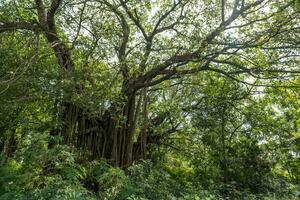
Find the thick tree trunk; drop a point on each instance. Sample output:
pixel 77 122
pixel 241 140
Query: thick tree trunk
pixel 110 136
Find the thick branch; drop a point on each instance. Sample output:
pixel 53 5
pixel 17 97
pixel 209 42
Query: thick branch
pixel 48 25
pixel 11 26
pixel 196 55
pixel 41 13
pixel 51 13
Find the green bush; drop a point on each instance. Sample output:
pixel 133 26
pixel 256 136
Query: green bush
pixel 39 173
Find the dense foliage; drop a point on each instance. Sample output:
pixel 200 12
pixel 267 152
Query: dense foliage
pixel 149 99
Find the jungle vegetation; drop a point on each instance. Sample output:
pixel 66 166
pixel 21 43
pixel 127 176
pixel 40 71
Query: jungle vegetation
pixel 149 99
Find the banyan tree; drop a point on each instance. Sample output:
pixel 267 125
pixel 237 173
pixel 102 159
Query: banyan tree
pixel 124 49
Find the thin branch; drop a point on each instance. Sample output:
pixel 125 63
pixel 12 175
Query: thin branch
pixel 80 22
pixel 125 38
pixel 134 18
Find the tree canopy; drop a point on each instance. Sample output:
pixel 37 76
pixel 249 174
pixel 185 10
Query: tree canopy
pixel 149 99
